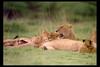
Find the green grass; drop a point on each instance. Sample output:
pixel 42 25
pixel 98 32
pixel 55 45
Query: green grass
pixel 26 27
pixel 36 56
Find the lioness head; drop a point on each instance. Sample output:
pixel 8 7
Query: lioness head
pixel 53 36
pixel 88 46
pixel 66 31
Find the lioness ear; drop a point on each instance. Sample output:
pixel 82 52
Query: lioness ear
pixel 56 30
pixel 83 40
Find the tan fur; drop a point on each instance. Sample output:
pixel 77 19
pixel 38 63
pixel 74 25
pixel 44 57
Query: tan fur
pixel 66 44
pixel 93 36
pixel 53 36
pixel 44 37
pixel 88 47
pixel 66 31
pixel 37 41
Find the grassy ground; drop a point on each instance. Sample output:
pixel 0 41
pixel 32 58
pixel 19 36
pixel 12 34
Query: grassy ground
pixel 30 56
pixel 35 56
pixel 28 27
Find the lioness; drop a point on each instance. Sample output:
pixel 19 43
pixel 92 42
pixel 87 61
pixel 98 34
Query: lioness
pixel 70 45
pixel 66 32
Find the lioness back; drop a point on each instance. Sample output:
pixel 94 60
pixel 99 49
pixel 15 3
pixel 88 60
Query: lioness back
pixel 65 44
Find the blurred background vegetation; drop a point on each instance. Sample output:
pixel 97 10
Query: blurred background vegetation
pixel 23 17
pixel 50 10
